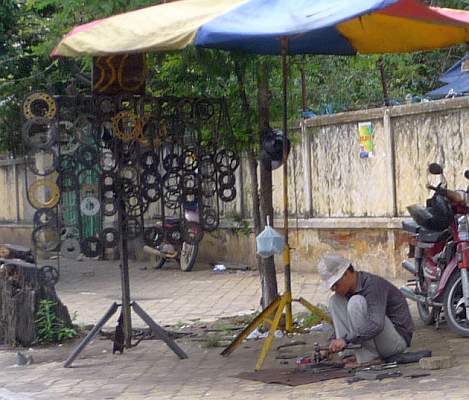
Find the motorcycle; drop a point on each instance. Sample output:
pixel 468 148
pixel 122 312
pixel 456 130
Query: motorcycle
pixel 439 255
pixel 178 240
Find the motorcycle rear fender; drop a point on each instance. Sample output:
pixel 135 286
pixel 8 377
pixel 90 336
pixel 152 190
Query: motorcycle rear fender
pixel 452 266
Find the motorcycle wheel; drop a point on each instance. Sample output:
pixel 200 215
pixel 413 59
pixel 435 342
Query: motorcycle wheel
pixel 188 256
pixel 427 313
pixel 455 311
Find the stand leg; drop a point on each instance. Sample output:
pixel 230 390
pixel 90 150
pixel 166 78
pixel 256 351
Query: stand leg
pixel 159 331
pixel 91 334
pixel 314 309
pixel 269 339
pixel 264 315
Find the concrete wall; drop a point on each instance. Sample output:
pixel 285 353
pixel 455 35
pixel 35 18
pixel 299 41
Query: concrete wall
pixel 339 201
pixel 343 203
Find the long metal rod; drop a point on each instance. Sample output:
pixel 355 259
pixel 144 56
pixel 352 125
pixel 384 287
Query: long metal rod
pixel 286 251
pixel 124 266
pixel 91 334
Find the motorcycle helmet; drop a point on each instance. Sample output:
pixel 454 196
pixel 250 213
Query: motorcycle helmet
pixel 436 217
pixel 272 147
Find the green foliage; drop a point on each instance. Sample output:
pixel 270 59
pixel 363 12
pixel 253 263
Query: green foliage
pixel 30 29
pixel 49 328
pixel 241 225
pixel 311 320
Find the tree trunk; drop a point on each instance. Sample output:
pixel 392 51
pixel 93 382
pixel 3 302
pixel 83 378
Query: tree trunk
pixel 21 290
pixel 266 267
pixel 252 162
pixel 267 270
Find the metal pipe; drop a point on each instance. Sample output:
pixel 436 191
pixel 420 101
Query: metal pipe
pixel 410 294
pixel 409 266
pixel 286 251
pixel 124 266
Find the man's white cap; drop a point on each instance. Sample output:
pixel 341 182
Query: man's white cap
pixel 331 268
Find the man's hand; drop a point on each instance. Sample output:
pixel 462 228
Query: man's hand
pixel 337 345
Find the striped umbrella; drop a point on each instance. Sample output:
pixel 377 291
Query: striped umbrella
pixel 256 26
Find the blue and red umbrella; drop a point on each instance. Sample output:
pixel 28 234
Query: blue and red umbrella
pixel 257 26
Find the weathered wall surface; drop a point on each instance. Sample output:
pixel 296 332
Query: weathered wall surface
pixel 339 201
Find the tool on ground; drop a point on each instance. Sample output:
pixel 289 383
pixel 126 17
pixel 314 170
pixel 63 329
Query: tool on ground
pixel 317 357
pixel 373 375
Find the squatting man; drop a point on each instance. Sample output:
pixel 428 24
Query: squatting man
pixel 366 309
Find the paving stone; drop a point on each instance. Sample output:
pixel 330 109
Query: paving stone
pixel 437 362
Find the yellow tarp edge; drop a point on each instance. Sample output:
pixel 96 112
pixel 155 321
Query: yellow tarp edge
pixel 377 33
pixel 170 26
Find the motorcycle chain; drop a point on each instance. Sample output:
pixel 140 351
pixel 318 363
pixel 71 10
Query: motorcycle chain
pixel 149 160
pixel 204 110
pixel 207 166
pixel 45 216
pixel 39 133
pixel 172 163
pixel 227 194
pixel 226 179
pixel 226 161
pixel 83 129
pixel 127 126
pixel 70 248
pixel 109 206
pixel 209 187
pixel 189 161
pixel 210 220
pixel 49 275
pixel 134 228
pixel 91 247
pixel 45 238
pixel 68 142
pixel 185 110
pixel 172 199
pixel 38 188
pixel 90 206
pixel 110 237
pixel 87 156
pixel 39 104
pixel 42 162
pixel 67 163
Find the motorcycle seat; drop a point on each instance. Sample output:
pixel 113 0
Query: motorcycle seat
pixel 171 221
pixel 410 226
pixel 427 236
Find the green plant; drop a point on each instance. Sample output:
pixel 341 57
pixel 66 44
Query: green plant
pixel 50 329
pixel 241 225
pixel 212 341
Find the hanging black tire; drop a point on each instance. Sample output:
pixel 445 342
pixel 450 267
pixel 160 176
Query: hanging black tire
pixel 188 256
pixel 454 306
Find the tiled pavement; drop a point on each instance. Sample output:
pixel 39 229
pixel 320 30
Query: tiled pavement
pixel 152 371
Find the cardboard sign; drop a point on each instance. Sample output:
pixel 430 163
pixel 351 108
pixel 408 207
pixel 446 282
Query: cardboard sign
pixel 123 73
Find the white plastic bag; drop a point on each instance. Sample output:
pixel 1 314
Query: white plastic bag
pixel 269 242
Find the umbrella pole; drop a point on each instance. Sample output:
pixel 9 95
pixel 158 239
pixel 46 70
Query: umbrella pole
pixel 286 251
pixel 275 309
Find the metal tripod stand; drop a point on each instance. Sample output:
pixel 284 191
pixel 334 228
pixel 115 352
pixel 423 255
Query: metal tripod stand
pixel 127 305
